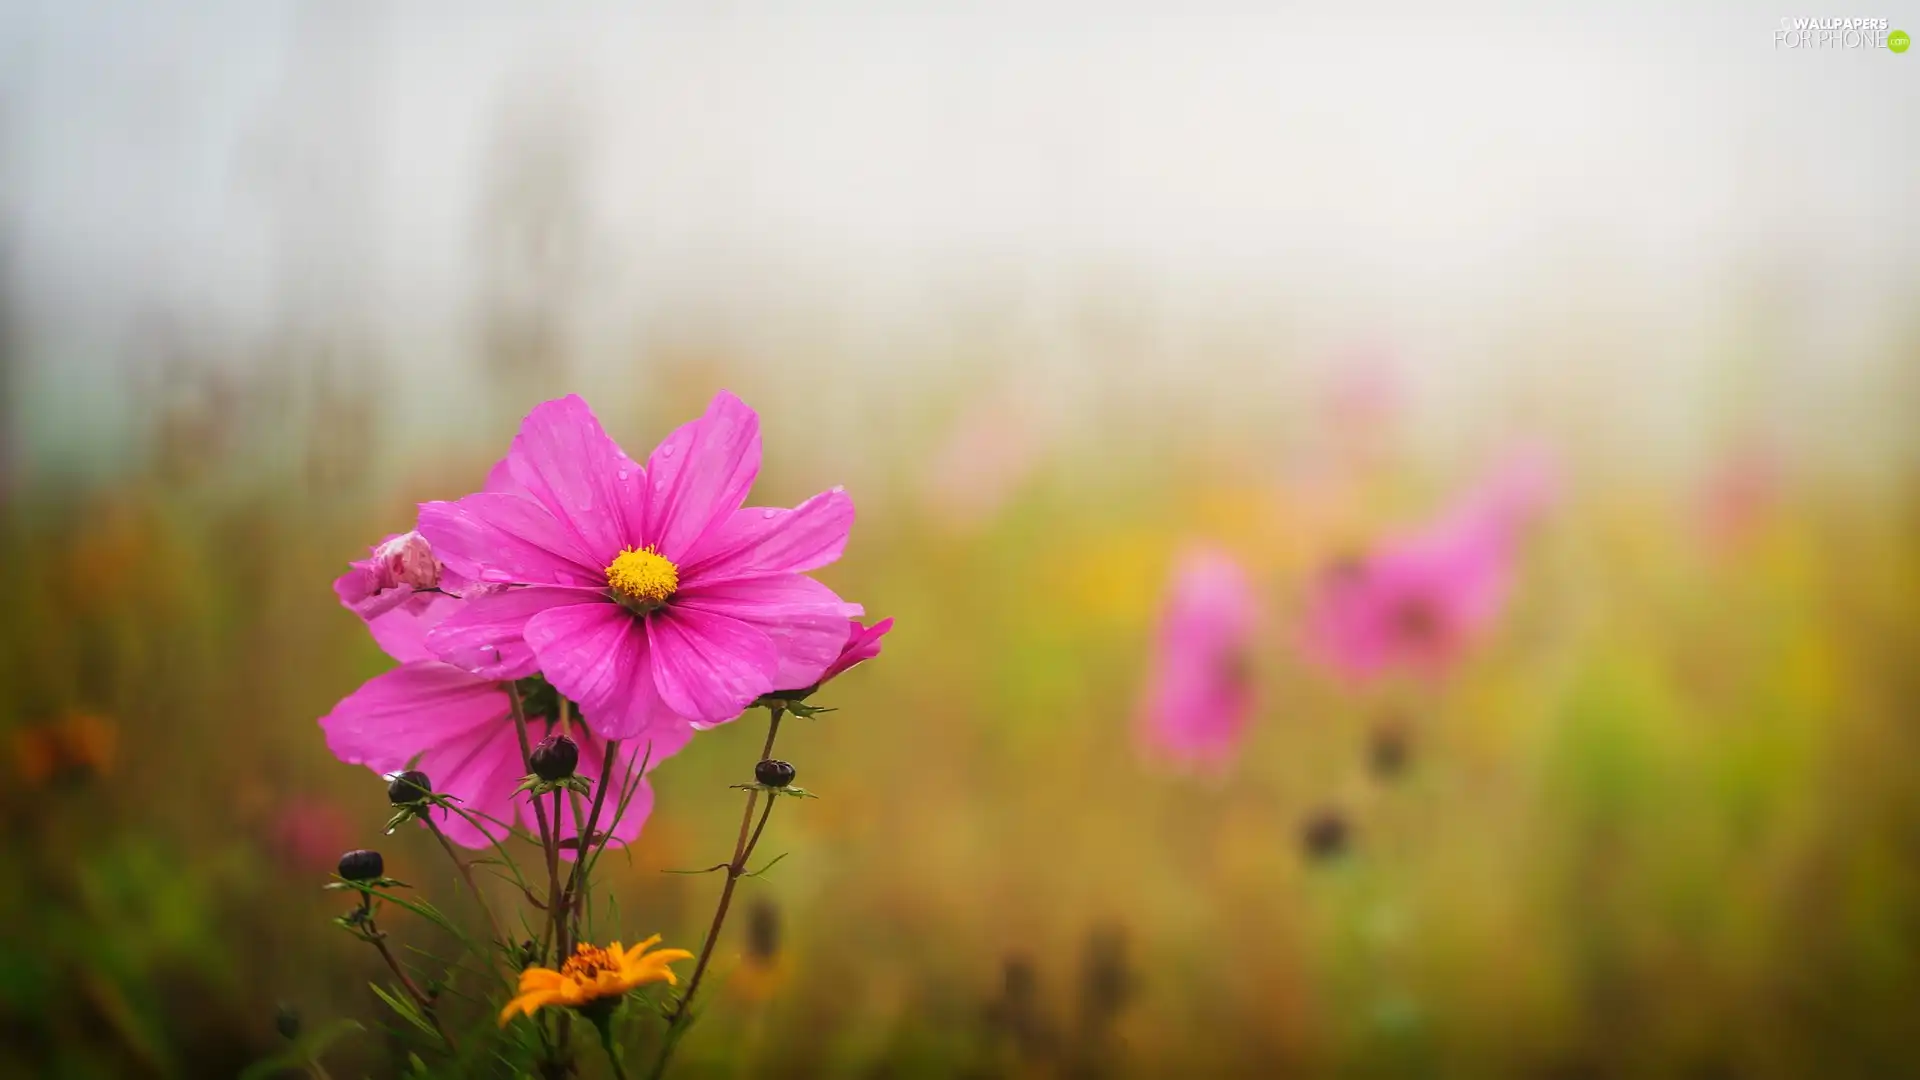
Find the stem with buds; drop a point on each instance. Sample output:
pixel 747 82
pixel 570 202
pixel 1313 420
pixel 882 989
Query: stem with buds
pixel 742 850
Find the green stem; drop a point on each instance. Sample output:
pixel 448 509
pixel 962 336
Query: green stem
pixel 742 849
pixel 500 939
pixel 406 981
pixel 548 839
pixel 606 1043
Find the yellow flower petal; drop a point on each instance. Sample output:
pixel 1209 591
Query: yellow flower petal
pixel 526 1003
pixel 540 978
pixel 634 953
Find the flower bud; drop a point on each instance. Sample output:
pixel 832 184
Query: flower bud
pixel 555 758
pixel 409 787
pixel 362 865
pixel 1389 746
pixel 763 932
pixel 773 773
pixel 408 560
pixel 1325 833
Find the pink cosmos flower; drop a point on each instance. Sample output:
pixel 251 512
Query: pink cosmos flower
pixel 457 727
pixel 1200 692
pixel 308 834
pixel 1420 601
pixel 1416 602
pixel 1737 497
pixel 863 644
pixel 1520 487
pixel 646 594
pixel 990 453
pixel 1363 391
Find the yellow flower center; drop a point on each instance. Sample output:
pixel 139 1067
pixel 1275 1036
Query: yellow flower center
pixel 588 961
pixel 643 578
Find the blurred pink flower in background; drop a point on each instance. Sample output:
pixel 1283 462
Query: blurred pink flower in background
pixel 1521 487
pixel 1420 601
pixel 1200 691
pixel 1737 497
pixel 1363 391
pixel 991 451
pixel 309 833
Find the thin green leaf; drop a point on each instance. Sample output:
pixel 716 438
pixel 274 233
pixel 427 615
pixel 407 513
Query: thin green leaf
pixel 406 1011
pixel 769 866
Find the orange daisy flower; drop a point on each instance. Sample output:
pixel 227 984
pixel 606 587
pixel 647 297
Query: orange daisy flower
pixel 592 974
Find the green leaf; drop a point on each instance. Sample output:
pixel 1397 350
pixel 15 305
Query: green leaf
pixel 306 1049
pixel 769 866
pixel 407 1011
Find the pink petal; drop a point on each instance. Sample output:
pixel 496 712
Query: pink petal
pixel 700 474
pixel 598 655
pixel 565 461
pixel 360 592
pixel 760 540
pixel 709 667
pixel 500 479
pixel 805 620
pixel 402 632
pixel 408 710
pixel 479 768
pixel 486 633
pixel 863 644
pixel 496 537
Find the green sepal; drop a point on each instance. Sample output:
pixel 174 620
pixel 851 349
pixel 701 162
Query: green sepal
pixel 790 701
pixel 405 814
pixel 368 885
pixel 576 783
pixel 796 792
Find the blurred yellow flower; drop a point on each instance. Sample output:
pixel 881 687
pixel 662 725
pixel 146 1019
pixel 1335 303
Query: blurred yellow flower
pixel 592 974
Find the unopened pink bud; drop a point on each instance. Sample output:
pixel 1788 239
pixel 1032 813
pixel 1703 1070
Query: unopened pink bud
pixel 407 559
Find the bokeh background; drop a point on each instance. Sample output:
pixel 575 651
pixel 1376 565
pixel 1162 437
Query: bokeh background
pixel 1056 292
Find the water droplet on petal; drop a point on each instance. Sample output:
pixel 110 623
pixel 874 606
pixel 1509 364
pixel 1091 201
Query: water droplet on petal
pixel 561 577
pixel 495 575
pixel 623 476
pixel 667 450
pixel 768 513
pixel 659 485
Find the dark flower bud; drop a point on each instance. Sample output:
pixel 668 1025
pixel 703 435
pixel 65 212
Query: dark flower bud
pixel 409 787
pixel 773 773
pixel 1325 833
pixel 555 758
pixel 1389 746
pixel 362 865
pixel 763 931
pixel 286 1020
pixel 1106 979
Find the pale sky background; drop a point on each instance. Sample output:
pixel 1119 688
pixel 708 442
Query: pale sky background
pixel 1609 201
